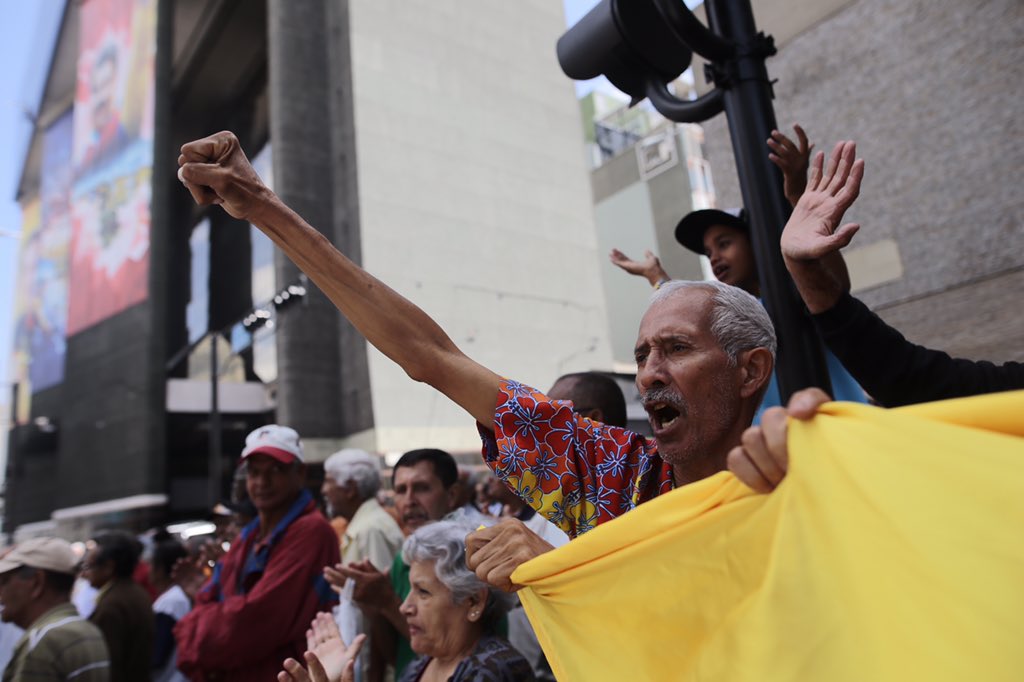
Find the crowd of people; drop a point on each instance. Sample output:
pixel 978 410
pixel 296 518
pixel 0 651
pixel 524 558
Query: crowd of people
pixel 416 582
pixel 394 581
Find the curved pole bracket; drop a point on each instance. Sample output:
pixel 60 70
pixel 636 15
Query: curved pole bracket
pixel 671 107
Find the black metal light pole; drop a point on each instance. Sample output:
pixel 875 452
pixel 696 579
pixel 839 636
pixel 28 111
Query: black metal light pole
pixel 253 320
pixel 641 46
pixel 216 464
pixel 748 107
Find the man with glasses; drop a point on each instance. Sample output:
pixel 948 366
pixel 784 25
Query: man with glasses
pixel 35 589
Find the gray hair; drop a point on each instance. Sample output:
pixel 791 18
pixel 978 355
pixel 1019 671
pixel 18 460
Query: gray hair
pixel 738 320
pixel 357 466
pixel 444 543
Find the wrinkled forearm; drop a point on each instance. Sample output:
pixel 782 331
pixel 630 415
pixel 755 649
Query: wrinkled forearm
pixel 816 282
pixel 656 275
pixel 836 265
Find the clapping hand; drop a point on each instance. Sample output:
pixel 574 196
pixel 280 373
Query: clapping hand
pixel 327 656
pixel 372 591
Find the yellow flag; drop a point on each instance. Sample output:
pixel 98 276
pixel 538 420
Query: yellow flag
pixel 893 550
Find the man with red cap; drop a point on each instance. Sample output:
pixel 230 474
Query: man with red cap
pixel 254 611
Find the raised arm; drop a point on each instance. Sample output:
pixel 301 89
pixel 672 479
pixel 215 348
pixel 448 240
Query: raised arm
pixel 895 371
pixel 649 268
pixel 793 159
pixel 813 234
pixel 216 171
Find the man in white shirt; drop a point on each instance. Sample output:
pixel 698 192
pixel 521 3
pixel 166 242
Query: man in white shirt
pixel 351 482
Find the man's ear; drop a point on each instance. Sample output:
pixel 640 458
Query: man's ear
pixel 351 489
pixel 596 415
pixel 453 495
pixel 755 365
pixel 37 586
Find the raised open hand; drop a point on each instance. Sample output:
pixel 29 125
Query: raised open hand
pixel 793 159
pixel 649 268
pixel 813 230
pixel 216 171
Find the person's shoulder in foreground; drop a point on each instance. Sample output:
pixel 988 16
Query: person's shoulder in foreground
pixel 63 646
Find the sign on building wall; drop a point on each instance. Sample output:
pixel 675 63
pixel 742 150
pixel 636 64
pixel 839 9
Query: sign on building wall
pixel 112 159
pixel 26 320
pixel 42 289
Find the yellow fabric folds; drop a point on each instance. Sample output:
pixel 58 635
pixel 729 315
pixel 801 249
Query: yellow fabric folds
pixel 894 550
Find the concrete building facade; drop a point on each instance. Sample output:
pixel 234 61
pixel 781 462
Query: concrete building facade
pixel 931 92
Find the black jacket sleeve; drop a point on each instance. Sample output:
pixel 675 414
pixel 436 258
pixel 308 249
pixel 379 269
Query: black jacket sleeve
pixel 895 371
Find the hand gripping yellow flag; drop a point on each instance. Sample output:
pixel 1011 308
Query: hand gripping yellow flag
pixel 894 550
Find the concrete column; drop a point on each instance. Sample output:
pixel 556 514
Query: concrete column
pixel 356 405
pixel 309 391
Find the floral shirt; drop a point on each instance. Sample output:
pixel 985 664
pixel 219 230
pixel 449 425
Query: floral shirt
pixel 576 472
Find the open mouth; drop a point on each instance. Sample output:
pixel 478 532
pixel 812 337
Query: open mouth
pixel 662 415
pixel 665 407
pixel 414 518
pixel 720 271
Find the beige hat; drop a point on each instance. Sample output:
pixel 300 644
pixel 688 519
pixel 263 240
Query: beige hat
pixel 51 554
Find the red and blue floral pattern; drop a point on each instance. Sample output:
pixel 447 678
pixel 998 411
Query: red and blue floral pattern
pixel 576 472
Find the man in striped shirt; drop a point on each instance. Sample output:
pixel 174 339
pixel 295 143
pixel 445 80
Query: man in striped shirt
pixel 35 589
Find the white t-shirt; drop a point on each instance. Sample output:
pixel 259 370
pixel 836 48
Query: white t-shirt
pixel 9 636
pixel 175 604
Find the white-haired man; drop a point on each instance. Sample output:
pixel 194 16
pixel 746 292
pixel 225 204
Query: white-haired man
pixel 699 386
pixel 351 482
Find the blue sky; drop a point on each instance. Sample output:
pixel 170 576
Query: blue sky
pixel 26 39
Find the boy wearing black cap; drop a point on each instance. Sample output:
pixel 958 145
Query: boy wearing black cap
pixel 724 237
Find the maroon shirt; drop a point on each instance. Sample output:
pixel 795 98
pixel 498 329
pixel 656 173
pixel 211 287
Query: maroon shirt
pixel 255 610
